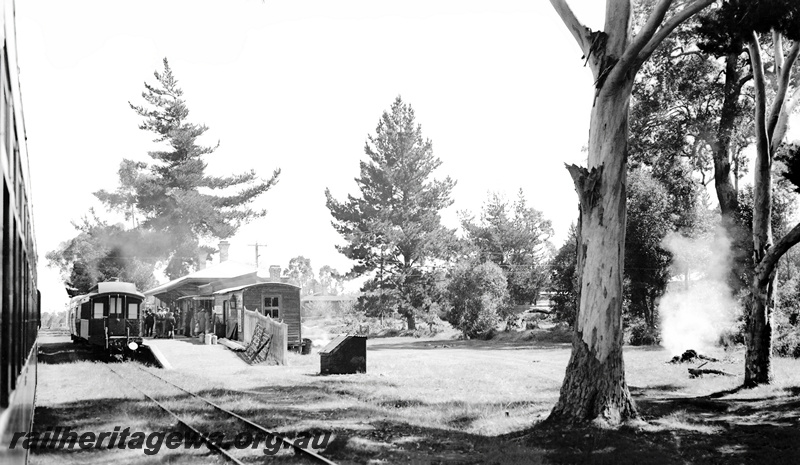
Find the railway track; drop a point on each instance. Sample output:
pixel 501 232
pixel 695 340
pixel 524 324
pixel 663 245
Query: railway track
pixel 285 442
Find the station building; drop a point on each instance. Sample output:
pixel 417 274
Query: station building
pixel 214 299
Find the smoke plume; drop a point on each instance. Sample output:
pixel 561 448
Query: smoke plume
pixel 697 306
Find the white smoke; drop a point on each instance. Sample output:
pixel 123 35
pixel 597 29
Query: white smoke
pixel 698 305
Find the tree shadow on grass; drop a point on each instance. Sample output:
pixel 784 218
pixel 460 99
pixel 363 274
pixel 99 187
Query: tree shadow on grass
pixel 684 430
pixel 470 344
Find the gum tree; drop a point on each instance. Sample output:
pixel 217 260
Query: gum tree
pixel 594 387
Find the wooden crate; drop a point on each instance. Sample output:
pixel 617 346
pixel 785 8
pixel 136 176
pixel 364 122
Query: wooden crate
pixel 344 355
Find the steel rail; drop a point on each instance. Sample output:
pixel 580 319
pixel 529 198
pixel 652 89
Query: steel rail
pixel 286 442
pixel 213 447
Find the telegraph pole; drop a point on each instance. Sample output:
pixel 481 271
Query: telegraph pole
pixel 257 245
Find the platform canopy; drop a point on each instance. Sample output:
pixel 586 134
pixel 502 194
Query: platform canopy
pixel 188 285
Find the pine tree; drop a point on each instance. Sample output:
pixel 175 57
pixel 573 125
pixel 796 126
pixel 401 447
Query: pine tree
pixel 173 196
pixel 394 228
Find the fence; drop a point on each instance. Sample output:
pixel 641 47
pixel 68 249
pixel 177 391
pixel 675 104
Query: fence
pixel 279 332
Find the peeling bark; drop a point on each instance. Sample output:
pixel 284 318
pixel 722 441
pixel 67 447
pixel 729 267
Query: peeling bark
pixel 593 390
pixel 594 387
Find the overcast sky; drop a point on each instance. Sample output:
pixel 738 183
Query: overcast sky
pixel 498 87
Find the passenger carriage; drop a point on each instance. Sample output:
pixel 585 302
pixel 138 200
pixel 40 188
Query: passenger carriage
pixel 20 309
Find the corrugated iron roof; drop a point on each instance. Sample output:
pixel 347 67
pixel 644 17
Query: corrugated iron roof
pixel 226 269
pixel 244 286
pixel 333 344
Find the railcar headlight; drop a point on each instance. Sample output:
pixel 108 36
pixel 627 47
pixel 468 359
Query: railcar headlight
pixel 133 346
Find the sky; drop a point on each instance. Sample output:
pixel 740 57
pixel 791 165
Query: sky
pixel 498 87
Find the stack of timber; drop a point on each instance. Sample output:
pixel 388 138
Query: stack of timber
pixel 233 345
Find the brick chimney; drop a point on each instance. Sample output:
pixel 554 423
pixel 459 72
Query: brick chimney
pixel 223 251
pixel 274 273
pixel 201 260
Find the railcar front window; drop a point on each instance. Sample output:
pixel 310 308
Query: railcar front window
pixel 133 311
pixel 98 310
pixel 114 307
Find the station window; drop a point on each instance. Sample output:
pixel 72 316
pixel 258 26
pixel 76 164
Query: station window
pixel 272 307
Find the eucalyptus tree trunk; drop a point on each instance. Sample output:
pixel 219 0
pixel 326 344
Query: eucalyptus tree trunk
pixel 758 367
pixel 594 387
pixel 770 126
pixel 723 151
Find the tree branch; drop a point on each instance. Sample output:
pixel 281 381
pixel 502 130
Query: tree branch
pixel 646 33
pixel 762 186
pixel 783 120
pixel 777 43
pixel 580 32
pixel 767 265
pixel 783 74
pixel 676 20
pixel 744 80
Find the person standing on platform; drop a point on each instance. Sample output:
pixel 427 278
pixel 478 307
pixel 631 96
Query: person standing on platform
pixel 149 321
pixel 169 325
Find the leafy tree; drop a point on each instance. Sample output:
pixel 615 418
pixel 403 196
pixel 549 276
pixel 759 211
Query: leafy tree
pixel 331 282
pixel 514 236
pixel 692 118
pixel 755 23
pixel 100 252
pixel 478 292
pixel 646 263
pixel 174 196
pixel 563 279
pixel 300 271
pixel 394 228
pixel 594 386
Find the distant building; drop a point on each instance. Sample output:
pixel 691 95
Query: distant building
pixel 333 303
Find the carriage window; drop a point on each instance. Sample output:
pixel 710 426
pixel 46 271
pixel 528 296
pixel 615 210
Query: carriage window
pixel 98 310
pixel 272 307
pixel 86 311
pixel 133 311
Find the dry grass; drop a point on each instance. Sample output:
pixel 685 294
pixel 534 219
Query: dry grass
pixel 436 397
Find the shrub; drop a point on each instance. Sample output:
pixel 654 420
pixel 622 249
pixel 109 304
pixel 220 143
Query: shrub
pixel 787 320
pixel 642 335
pixel 477 293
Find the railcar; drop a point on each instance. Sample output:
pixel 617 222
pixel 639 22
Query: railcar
pixel 109 317
pixel 19 298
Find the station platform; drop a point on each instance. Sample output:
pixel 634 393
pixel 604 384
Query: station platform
pixel 184 353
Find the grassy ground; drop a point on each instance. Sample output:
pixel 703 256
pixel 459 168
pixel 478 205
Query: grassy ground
pixel 444 401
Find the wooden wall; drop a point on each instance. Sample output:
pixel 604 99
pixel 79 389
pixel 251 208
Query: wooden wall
pixel 252 298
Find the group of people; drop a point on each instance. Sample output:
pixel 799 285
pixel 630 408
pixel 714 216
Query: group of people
pixel 162 322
